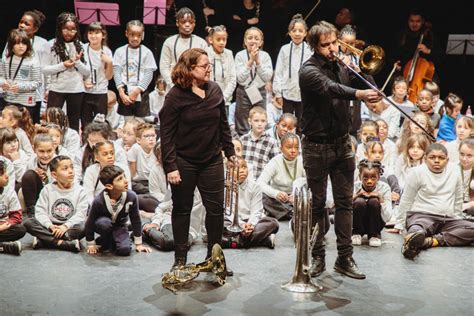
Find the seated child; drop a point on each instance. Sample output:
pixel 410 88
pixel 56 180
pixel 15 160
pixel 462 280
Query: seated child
pixel 71 138
pixel 20 121
pixel 157 97
pixel 433 87
pixel 60 211
pixel 464 129
pixel 141 157
pixel 411 157
pixel 368 130
pixel 431 206
pixel 276 180
pixel 10 149
pixel 372 204
pixel 115 120
pixel 257 229
pixel 424 102
pixel 109 213
pixel 11 229
pixel 389 147
pixel 259 148
pixel 387 112
pixel 37 171
pixel 450 112
pixel 466 161
pixel 104 155
pixel 286 123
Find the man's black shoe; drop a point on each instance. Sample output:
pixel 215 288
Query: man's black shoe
pixel 347 266
pixel 318 266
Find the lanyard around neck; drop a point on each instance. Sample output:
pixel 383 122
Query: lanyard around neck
pixel 139 62
pixel 176 44
pixel 94 71
pixel 291 52
pixel 17 69
pixel 214 69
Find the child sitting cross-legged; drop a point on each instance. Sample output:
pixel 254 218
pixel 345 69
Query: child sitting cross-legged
pixel 278 176
pixel 109 213
pixel 372 204
pixel 60 211
pixel 258 229
pixel 11 229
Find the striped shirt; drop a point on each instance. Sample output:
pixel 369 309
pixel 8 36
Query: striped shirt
pixel 26 74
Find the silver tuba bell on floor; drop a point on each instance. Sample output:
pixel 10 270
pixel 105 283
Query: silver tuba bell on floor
pixel 304 241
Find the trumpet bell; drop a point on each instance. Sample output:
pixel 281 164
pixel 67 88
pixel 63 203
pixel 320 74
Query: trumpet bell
pixel 372 60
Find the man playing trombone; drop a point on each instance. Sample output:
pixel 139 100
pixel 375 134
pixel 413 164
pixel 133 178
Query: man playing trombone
pixel 326 89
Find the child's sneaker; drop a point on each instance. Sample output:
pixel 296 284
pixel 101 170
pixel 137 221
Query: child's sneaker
pixel 375 242
pixel 11 247
pixel 36 244
pixel 356 240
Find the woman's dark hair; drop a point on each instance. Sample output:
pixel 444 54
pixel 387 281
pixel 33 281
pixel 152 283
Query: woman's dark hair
pixel 54 163
pixel 297 18
pixel 370 164
pixel 17 36
pixel 59 46
pixel 37 16
pixel 94 127
pixel 109 173
pixel 181 74
pixel 97 27
pixel 6 135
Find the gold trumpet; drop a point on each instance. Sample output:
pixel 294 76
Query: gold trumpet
pixel 371 59
pixel 304 242
pixel 232 197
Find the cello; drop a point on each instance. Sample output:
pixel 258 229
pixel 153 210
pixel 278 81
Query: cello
pixel 418 70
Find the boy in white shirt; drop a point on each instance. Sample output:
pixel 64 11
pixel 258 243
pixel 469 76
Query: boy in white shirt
pixel 60 211
pixel 431 205
pixel 257 229
pixel 141 158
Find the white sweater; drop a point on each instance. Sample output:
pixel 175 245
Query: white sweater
pixel 62 79
pixel 275 178
pixel 384 189
pixel 172 48
pixel 262 73
pixel 58 206
pixel 432 193
pixel 287 85
pixel 223 71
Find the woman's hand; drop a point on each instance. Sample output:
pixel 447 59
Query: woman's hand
pixel 174 177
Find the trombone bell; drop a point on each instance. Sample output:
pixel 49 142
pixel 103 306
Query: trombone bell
pixel 371 59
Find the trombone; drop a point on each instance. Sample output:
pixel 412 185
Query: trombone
pixel 231 200
pixel 371 61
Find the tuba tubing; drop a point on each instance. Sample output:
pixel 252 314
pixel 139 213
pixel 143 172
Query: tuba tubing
pixel 304 241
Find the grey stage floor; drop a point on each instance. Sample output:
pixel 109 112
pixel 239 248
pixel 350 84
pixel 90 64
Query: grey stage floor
pixel 48 282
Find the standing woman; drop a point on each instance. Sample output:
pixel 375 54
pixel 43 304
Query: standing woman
pixel 99 60
pixel 194 131
pixel 66 68
pixel 30 22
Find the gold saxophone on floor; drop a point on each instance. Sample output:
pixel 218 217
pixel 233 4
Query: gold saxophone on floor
pixel 180 275
pixel 304 242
